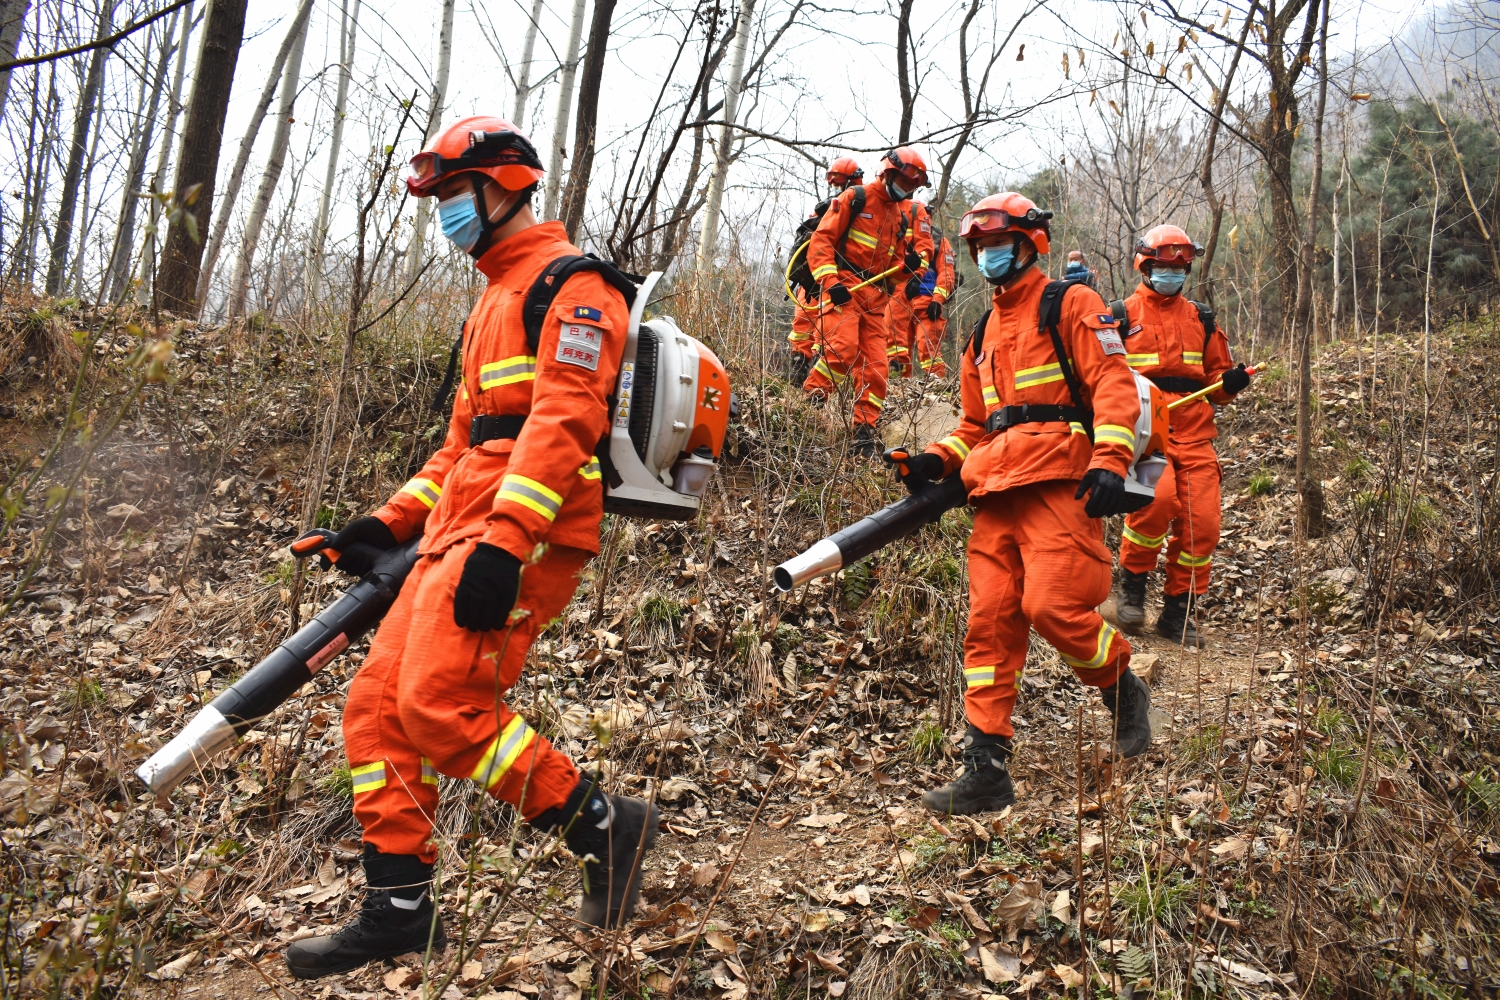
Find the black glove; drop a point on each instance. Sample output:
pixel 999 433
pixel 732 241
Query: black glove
pixel 1236 379
pixel 914 262
pixel 487 589
pixel 360 543
pixel 839 295
pixel 916 471
pixel 934 311
pixel 1106 492
pixel 913 288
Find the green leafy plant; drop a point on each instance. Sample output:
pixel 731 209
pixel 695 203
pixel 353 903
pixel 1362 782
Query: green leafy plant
pixel 339 782
pixel 1262 481
pixel 1358 468
pixel 1339 765
pixel 658 609
pixel 859 580
pixel 1161 901
pixel 925 740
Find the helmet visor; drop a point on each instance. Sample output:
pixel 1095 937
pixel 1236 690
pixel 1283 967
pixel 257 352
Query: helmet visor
pixel 1173 253
pixel 988 220
pixel 511 152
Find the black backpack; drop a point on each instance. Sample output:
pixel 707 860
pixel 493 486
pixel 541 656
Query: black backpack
pixel 801 275
pixel 1205 316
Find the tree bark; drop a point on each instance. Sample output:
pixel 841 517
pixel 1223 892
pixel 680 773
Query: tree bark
pixel 202 139
pixel 564 107
pixel 231 193
pixel 1308 486
pixel 250 238
pixel 62 234
pixel 588 119
pixel 528 48
pixel 118 271
pixel 733 86
pixel 12 19
pixel 1206 177
pixel 434 122
pixel 348 24
pixel 904 71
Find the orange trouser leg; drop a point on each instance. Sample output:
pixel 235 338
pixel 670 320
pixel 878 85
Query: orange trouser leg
pixel 428 701
pixel 898 332
pixel 1035 561
pixel 930 343
pixel 1188 506
pixel 853 356
pixel 801 338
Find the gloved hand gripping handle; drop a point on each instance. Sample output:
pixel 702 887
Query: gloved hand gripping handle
pixel 288 667
pixel 851 544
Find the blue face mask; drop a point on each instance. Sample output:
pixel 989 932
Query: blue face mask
pixel 1165 282
pixel 460 221
pixel 896 192
pixel 1076 267
pixel 995 262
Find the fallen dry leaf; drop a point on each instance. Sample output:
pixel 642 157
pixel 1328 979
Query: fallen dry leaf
pixel 1062 906
pixel 582 975
pixel 836 989
pixel 1232 849
pixel 721 942
pixel 401 977
pixel 705 873
pixel 1020 908
pixel 823 822
pixel 1071 977
pixel 999 966
pixel 175 968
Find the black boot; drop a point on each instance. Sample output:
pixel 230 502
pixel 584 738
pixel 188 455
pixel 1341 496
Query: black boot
pixel 985 784
pixel 1130 602
pixel 1176 622
pixel 1129 702
pixel 801 367
pixel 397 917
pixel 866 441
pixel 611 835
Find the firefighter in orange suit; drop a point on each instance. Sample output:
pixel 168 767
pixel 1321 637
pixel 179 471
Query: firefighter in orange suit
pixel 1036 553
pixel 509 512
pixel 841 174
pixel 866 231
pixel 915 321
pixel 1177 344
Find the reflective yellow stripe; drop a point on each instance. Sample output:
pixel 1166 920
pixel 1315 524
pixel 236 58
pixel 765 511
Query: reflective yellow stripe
pixel 1193 562
pixel 1039 375
pixel 876 401
pixel 530 493
pixel 429 773
pixel 797 338
pixel 929 363
pixel 465 392
pixel 863 239
pixel 424 490
pixel 819 273
pixel 1142 360
pixel 520 368
pixel 979 676
pixel 1077 428
pixel 1135 537
pixel 502 753
pixel 1192 357
pixel 835 377
pixel 956 445
pixel 1115 434
pixel 591 470
pixel 1106 636
pixel 938 291
pixel 991 397
pixel 367 777
pixel 894 350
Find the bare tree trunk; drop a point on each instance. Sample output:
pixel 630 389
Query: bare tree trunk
pixel 37 160
pixel 174 102
pixel 734 85
pixel 904 71
pixel 564 106
pixel 12 19
pixel 118 270
pixel 294 37
pixel 202 139
pixel 62 234
pixel 434 122
pixel 348 24
pixel 1308 486
pixel 1206 178
pixel 240 282
pixel 588 119
pixel 84 221
pixel 528 47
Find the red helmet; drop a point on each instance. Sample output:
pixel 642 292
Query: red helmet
pixel 844 171
pixel 482 144
pixel 908 163
pixel 1167 245
pixel 1007 212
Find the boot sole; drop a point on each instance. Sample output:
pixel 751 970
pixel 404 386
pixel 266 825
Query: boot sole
pixel 994 804
pixel 1191 641
pixel 437 948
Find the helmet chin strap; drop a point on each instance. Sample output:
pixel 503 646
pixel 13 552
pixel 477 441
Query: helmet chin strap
pixel 488 228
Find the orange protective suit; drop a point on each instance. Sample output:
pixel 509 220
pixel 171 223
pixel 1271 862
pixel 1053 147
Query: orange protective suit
pixel 1165 339
pixel 428 699
pixel 908 328
pixel 1035 559
pixel 847 250
pixel 802 339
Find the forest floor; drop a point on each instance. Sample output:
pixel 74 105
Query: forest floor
pixel 1316 817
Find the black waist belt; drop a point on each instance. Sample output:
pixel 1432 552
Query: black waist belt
pixel 1028 413
pixel 488 428
pixel 1172 383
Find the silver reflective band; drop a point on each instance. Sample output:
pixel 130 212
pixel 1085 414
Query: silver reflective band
pixel 820 560
pixel 206 735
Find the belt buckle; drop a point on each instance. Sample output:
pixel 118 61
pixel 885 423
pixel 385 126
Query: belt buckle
pixel 1025 413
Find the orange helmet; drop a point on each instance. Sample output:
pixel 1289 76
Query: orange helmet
pixel 908 163
pixel 1167 245
pixel 844 171
pixel 1007 212
pixel 481 144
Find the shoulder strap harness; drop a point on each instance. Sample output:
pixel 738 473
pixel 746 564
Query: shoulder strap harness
pixel 1049 318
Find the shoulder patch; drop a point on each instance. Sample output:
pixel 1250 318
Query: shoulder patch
pixel 1108 319
pixel 1135 330
pixel 926 226
pixel 866 215
pixel 587 312
pixel 579 344
pixel 1109 339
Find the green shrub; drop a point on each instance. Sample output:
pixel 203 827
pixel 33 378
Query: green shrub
pixel 1160 902
pixel 925 740
pixel 1262 481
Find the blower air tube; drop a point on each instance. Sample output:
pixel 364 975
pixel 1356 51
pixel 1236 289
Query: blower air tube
pixel 851 544
pixel 281 674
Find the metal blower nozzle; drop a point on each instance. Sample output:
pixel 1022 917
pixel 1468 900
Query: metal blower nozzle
pixel 820 560
pixel 199 741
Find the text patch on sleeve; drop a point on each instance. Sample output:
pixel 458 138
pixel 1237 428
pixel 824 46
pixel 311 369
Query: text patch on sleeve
pixel 1109 339
pixel 579 344
pixel 587 312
